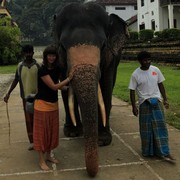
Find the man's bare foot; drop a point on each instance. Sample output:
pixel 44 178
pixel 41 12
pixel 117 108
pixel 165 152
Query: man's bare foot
pixel 44 166
pixel 169 158
pixel 53 160
pixel 31 147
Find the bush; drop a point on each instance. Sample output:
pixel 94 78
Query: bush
pixel 158 34
pixel 146 34
pixel 133 35
pixel 9 42
pixel 169 34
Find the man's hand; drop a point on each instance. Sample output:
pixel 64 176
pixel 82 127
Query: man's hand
pixel 6 98
pixel 135 111
pixel 166 104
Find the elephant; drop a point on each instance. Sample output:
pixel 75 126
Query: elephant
pixel 90 42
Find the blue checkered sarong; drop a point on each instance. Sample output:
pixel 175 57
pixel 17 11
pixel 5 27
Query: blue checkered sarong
pixel 153 130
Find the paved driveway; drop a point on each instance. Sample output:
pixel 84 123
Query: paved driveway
pixel 121 160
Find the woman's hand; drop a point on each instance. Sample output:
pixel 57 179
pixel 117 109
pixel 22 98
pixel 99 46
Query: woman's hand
pixel 64 88
pixel 71 73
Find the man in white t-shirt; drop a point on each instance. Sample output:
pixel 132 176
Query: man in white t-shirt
pixel 147 82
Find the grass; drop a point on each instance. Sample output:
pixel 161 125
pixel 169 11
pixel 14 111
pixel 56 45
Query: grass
pixel 8 69
pixel 125 69
pixel 172 86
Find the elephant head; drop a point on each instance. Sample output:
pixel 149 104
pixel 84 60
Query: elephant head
pixel 88 41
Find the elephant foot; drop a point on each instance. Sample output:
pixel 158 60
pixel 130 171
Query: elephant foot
pixel 104 138
pixel 72 131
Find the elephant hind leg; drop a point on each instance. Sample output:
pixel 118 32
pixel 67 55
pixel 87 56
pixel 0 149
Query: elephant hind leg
pixel 72 131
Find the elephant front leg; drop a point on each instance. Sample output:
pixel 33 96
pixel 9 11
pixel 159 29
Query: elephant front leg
pixel 69 129
pixel 104 133
pixel 107 83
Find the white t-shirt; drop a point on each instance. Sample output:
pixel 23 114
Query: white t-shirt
pixel 146 83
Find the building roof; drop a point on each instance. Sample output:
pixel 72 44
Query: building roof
pixel 117 2
pixel 2 3
pixel 4 11
pixel 131 20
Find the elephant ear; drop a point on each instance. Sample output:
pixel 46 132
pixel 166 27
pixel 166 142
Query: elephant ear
pixel 117 34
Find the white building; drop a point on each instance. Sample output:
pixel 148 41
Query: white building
pixel 158 14
pixel 123 8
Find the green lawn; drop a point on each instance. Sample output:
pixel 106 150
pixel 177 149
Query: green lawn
pixel 8 69
pixel 172 85
pixel 125 69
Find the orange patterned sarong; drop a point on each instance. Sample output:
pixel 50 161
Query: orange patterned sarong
pixel 46 130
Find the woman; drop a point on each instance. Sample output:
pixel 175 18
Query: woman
pixel 46 113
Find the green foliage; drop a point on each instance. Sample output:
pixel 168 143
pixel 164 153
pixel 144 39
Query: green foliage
pixel 173 119
pixel 146 34
pixel 158 34
pixel 133 35
pixel 172 75
pixel 10 69
pixel 35 18
pixel 9 42
pixel 170 34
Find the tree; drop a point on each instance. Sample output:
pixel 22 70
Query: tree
pixel 35 18
pixel 9 42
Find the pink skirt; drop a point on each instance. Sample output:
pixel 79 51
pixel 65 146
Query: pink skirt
pixel 46 130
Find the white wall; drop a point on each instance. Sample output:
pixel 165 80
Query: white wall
pixel 177 15
pixel 161 15
pixel 133 27
pixel 164 18
pixel 124 14
pixel 147 13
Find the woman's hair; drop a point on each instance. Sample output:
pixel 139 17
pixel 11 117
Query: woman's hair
pixel 51 49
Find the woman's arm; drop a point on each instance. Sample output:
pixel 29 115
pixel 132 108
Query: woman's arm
pixel 49 82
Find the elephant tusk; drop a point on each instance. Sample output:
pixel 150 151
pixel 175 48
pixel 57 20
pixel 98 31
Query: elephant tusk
pixel 101 104
pixel 71 105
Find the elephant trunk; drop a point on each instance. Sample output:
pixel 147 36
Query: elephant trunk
pixel 85 86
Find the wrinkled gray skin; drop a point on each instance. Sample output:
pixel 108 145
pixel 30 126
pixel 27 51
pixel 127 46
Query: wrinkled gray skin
pixel 88 24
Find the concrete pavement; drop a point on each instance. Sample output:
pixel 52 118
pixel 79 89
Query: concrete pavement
pixel 121 160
